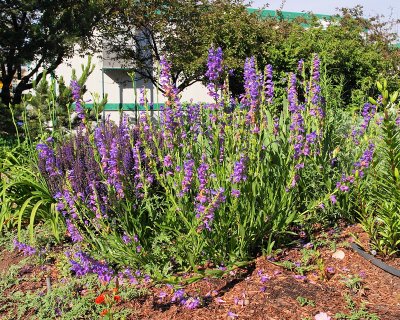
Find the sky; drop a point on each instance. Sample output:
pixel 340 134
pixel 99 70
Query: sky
pixel 388 8
pixel 371 7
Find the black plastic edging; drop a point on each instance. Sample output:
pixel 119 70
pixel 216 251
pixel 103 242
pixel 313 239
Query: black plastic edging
pixel 376 262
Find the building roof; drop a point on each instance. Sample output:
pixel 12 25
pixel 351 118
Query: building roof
pixel 288 14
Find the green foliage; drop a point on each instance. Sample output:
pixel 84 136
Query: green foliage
pixel 25 197
pixel 305 302
pixel 49 107
pixel 356 313
pixel 310 260
pixel 182 31
pixel 353 282
pixel 350 46
pixel 380 213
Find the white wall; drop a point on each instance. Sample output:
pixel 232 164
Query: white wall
pixel 118 84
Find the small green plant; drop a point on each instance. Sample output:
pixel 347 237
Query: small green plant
pixel 356 313
pixel 305 302
pixel 310 260
pixel 354 283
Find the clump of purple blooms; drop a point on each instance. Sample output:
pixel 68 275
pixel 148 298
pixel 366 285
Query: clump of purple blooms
pixel 83 264
pixel 27 250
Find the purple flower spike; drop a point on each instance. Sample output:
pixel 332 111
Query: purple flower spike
pixel 239 170
pixel 269 84
pixel 252 86
pixel 214 71
pixel 74 232
pixel 188 167
pixel 300 66
pixel 76 94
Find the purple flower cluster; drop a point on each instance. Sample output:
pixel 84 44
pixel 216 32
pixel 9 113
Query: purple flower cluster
pixel 194 119
pixel 76 95
pixel 192 303
pixel 46 156
pixel 27 250
pixel 170 90
pixel 368 112
pixel 112 168
pixel 214 64
pixel 66 203
pixel 300 66
pixel 202 172
pixel 188 167
pixel 239 170
pixel 252 86
pixel 73 231
pixel 208 203
pixel 252 83
pixel 168 161
pixel 179 296
pixel 297 121
pixel 214 71
pixel 365 160
pixel 315 86
pixel 359 167
pixel 172 113
pixel 84 264
pixel 344 184
pixel 269 84
pixel 316 99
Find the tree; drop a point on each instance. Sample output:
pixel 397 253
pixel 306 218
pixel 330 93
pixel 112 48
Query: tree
pixel 42 33
pixel 355 51
pixel 182 31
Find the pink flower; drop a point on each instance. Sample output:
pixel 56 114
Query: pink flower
pixel 322 316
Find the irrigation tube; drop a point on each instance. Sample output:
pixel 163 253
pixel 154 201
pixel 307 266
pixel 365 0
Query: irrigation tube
pixel 375 261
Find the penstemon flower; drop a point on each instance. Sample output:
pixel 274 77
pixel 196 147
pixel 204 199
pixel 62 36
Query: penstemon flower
pixel 269 84
pixel 76 94
pixel 214 72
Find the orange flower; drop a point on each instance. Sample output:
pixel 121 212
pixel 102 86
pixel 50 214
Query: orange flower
pixel 117 298
pixel 100 299
pixel 104 312
pixel 115 290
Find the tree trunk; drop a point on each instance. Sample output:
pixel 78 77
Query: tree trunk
pixel 5 93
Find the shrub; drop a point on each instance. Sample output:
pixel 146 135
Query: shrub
pixel 217 182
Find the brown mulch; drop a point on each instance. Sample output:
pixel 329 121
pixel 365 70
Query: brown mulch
pixel 7 259
pixel 266 290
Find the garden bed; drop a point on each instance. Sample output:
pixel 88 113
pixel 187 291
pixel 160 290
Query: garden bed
pixel 264 290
